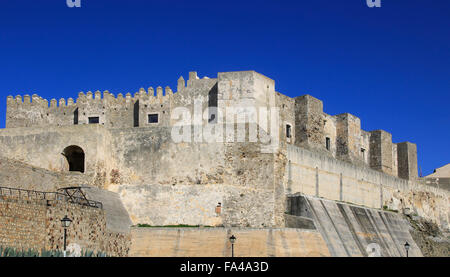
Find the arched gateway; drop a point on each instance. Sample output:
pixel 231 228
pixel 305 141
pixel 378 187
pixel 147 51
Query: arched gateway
pixel 75 158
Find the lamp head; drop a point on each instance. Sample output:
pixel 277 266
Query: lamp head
pixel 407 246
pixel 65 222
pixel 232 239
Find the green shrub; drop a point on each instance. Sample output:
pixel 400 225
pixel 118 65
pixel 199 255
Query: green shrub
pixel 171 226
pixel 12 252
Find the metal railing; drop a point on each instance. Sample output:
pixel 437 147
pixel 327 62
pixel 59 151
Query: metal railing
pixel 42 195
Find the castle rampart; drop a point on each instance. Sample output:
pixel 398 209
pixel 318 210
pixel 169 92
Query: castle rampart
pixel 127 147
pixel 317 174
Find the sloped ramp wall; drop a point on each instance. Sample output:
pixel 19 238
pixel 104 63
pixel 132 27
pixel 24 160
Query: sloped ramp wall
pixel 352 231
pixel 117 218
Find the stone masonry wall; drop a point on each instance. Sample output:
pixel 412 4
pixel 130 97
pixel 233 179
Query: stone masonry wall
pixel 22 224
pixel 15 174
pixel 166 183
pixel 310 125
pixel 28 223
pixel 43 148
pixel 126 154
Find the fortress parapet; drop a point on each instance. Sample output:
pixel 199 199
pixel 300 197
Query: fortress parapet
pixel 110 110
pixel 303 121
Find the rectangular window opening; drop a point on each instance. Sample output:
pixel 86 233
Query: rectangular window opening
pixel 153 118
pixel 288 131
pixel 94 120
pixel 75 117
pixel 363 153
pixel 328 143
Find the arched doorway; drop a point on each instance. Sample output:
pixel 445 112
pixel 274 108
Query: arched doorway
pixel 75 158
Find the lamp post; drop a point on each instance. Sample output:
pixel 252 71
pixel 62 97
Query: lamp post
pixel 407 248
pixel 232 240
pixel 65 223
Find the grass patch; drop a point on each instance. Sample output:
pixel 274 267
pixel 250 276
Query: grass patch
pixel 171 226
pixel 386 208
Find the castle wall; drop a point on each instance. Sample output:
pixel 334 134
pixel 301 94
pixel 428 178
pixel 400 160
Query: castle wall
pixel 309 123
pixel 17 219
pixel 14 174
pixel 335 229
pixel 316 174
pixel 395 160
pixel 163 183
pixel 365 150
pixel 330 131
pixel 407 160
pixel 381 151
pixel 18 175
pixel 123 111
pixel 127 154
pixel 28 223
pixel 348 129
pixel 162 205
pixel 43 148
pixel 286 107
pixel 246 91
pixel 149 157
pixel 341 136
pixel 214 242
pixel 236 89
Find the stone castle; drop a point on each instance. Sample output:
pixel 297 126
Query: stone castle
pixel 124 145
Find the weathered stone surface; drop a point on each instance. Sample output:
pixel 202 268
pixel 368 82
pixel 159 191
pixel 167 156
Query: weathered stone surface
pixel 310 126
pixel 161 181
pixel 320 175
pixel 30 223
pixel 407 160
pixel 381 151
pixel 214 242
pixel 309 122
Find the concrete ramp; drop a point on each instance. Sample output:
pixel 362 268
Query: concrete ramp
pixel 352 231
pixel 117 218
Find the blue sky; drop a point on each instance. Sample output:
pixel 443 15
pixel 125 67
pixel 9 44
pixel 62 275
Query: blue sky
pixel 390 66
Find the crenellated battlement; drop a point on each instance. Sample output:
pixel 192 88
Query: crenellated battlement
pixel 91 98
pixel 339 136
pixel 114 111
pixel 151 95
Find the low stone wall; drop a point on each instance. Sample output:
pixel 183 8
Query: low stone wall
pixel 214 242
pixel 16 174
pixel 28 223
pixel 22 224
pixel 42 148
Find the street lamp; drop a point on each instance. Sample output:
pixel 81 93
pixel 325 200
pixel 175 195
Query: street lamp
pixel 232 240
pixel 407 248
pixel 65 223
